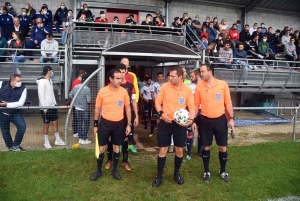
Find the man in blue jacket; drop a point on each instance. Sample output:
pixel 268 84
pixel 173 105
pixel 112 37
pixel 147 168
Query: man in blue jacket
pixel 24 20
pixel 59 16
pixel 212 33
pixel 6 22
pixel 240 56
pixel 43 14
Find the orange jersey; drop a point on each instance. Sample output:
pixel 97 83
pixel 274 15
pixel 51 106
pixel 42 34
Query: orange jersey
pixel 212 100
pixel 112 102
pixel 172 99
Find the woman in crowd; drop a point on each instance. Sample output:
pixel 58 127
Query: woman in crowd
pixel 18 54
pixel 223 28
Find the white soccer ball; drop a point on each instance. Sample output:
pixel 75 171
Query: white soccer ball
pixel 181 116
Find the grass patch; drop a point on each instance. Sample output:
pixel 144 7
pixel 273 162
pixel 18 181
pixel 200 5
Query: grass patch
pixel 258 172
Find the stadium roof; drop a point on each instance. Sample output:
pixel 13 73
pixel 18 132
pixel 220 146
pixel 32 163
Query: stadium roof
pixel 157 51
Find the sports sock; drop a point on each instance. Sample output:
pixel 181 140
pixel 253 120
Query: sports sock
pixel 223 161
pixel 57 135
pixel 109 151
pixel 189 143
pixel 125 151
pixel 205 159
pixel 116 161
pixel 46 138
pixel 161 161
pixel 100 162
pixel 153 122
pixel 177 163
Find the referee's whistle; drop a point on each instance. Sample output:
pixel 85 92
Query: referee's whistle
pixel 232 134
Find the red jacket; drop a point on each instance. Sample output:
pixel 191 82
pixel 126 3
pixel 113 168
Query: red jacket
pixel 204 34
pixel 234 34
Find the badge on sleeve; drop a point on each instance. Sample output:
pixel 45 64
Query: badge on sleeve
pixel 218 96
pixel 120 103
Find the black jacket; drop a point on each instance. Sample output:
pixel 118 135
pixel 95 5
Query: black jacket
pixel 57 14
pixel 271 38
pixel 22 31
pixel 245 36
pixel 88 14
pixel 21 49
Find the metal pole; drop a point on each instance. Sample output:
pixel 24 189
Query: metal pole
pixel 167 14
pixel 295 125
pixel 203 56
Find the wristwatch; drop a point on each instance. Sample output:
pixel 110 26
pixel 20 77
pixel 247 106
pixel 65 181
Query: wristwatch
pixel 129 124
pixel 232 118
pixel 160 113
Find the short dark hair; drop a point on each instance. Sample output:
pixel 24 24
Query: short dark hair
pixel 159 73
pixel 4 8
pixel 265 36
pixel 121 67
pixel 178 69
pixel 196 71
pixel 270 28
pixel 111 73
pixel 70 10
pixel 148 15
pixel 147 78
pixel 241 44
pixel 81 72
pixel 227 42
pixel 292 38
pixel 84 4
pixel 49 34
pixel 238 21
pixel 246 25
pixel 131 15
pixel 12 77
pixel 234 24
pixel 209 68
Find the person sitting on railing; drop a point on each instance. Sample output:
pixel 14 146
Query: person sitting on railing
pixel 86 10
pixel 159 22
pixel 226 55
pixel 59 16
pixel 25 20
pixel 6 21
pixel 254 28
pixel 290 51
pixel 211 51
pixel 271 39
pixel 3 44
pixel 130 19
pixel 252 48
pixel 234 37
pixel 241 54
pixel 184 19
pixel 206 22
pixel 223 28
pixel 197 25
pixel 49 49
pixel 45 19
pixel 29 10
pixel 17 56
pixel 176 23
pixel 148 20
pixel 17 27
pixel 202 44
pixel 212 33
pixel 158 14
pixel 68 27
pixel 115 20
pixel 220 41
pixel 245 36
pixel 49 16
pixel 10 9
pixel 38 34
pixel 257 33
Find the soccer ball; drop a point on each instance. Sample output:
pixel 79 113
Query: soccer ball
pixel 181 116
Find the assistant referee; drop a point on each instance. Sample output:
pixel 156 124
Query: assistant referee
pixel 172 96
pixel 214 97
pixel 111 99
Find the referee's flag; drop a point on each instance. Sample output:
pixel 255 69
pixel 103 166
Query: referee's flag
pixel 97 152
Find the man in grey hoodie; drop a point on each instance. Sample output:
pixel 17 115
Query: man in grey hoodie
pixel 290 51
pixel 47 98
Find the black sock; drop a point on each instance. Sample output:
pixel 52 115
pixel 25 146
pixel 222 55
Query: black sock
pixel 223 161
pixel 177 163
pixel 145 121
pixel 116 160
pixel 125 151
pixel 100 162
pixel 205 159
pixel 153 122
pixel 189 143
pixel 109 151
pixel 161 161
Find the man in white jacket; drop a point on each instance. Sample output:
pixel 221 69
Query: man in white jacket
pixel 47 98
pixel 49 49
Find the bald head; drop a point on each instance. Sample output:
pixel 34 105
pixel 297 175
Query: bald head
pixel 125 61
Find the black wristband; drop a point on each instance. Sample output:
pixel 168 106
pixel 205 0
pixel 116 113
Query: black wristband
pixel 160 113
pixel 95 123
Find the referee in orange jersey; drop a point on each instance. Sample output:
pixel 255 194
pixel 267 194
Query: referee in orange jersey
pixel 172 96
pixel 112 99
pixel 214 97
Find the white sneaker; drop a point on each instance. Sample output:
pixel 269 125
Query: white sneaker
pixel 59 142
pixel 84 141
pixel 18 71
pixel 260 56
pixel 47 145
pixel 75 135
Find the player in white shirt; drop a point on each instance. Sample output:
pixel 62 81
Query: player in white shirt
pixel 145 95
pixel 156 86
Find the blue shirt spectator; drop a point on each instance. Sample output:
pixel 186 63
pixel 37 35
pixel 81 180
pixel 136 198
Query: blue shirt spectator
pixel 212 32
pixel 264 30
pixel 6 22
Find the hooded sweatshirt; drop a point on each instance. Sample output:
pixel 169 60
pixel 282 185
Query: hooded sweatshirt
pixel 46 92
pixel 290 49
pixel 285 39
pixel 47 45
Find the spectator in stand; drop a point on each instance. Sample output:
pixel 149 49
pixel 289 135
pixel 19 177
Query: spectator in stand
pixel 48 15
pixel 286 38
pixel 10 9
pixel 102 19
pixel 296 36
pixel 191 27
pixel 68 27
pixel 226 55
pixel 245 36
pixel 264 30
pixel 49 49
pixel 38 34
pixel 29 10
pixel 59 16
pixel 282 33
pixel 184 19
pixel 197 25
pixel 220 41
pixel 86 10
pixel 253 29
pixel 206 22
pixel 290 51
pixel 277 43
pixel 252 48
pixel 17 56
pixel 239 26
pixel 223 28
pixel 6 22
pixel 176 23
pixel 271 39
pixel 263 49
pixel 24 20
pixel 257 33
pixel 148 20
pixel 204 33
pixel 216 24
pixel 159 23
pixel 212 33
pixel 234 36
pixel 3 44
pixel 17 27
pixel 203 43
pixel 158 14
pixel 211 51
pixel 129 19
pixel 241 54
pixel 47 23
pixel 116 21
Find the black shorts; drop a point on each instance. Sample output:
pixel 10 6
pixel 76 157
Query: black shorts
pixel 115 129
pixel 165 130
pixel 51 115
pixel 148 107
pixel 213 126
